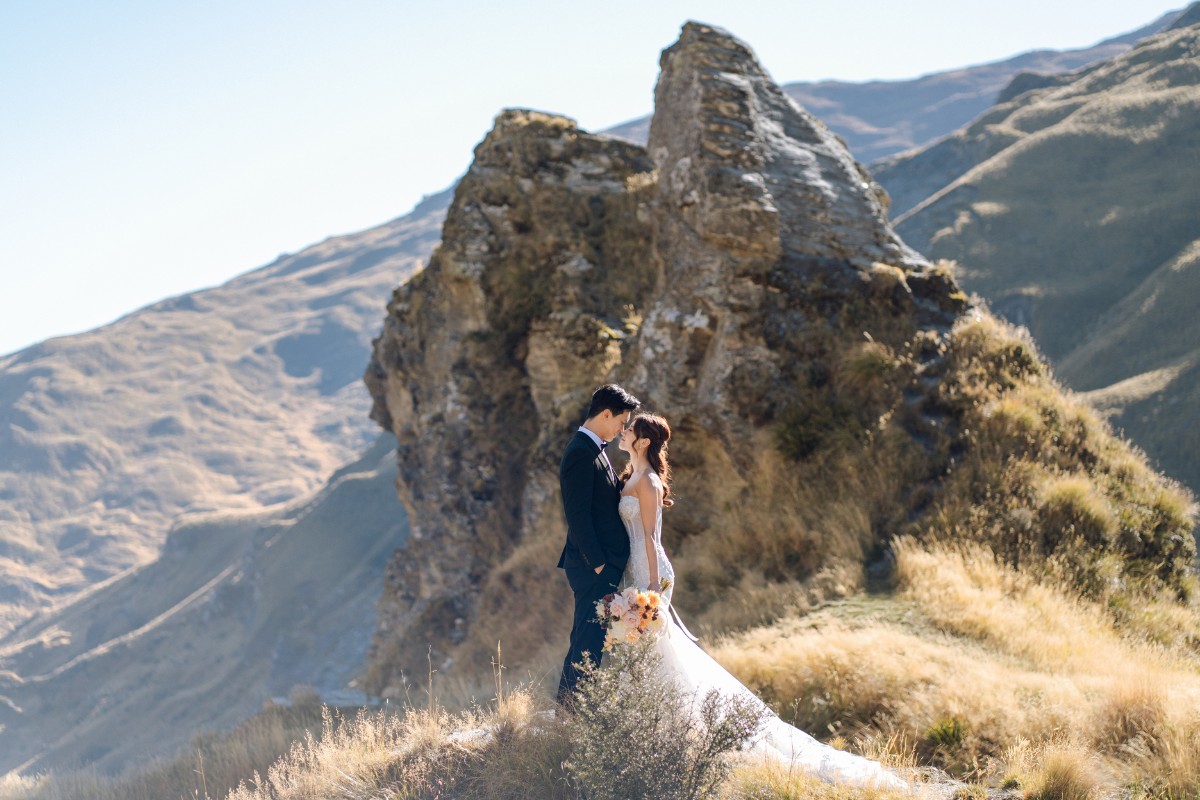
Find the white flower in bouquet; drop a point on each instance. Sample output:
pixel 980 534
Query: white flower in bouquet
pixel 619 606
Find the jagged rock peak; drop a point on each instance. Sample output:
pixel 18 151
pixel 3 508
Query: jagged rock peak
pixel 525 142
pixel 754 172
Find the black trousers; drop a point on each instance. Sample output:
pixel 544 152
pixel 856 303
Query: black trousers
pixel 587 637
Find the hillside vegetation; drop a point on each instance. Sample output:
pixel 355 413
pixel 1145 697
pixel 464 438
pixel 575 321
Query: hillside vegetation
pixel 962 667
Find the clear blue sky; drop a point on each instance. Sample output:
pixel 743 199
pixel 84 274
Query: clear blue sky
pixel 153 148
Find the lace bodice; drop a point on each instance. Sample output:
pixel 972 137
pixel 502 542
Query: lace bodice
pixel 637 570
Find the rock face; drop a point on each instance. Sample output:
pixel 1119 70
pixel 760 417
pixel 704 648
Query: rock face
pixel 759 211
pixel 709 274
pixel 487 356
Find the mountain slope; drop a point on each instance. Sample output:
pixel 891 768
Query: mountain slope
pixel 238 609
pixel 236 397
pixel 1072 208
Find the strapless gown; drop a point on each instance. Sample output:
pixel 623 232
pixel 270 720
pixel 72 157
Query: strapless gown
pixel 696 671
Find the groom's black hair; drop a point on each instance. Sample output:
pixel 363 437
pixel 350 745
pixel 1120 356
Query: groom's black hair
pixel 614 398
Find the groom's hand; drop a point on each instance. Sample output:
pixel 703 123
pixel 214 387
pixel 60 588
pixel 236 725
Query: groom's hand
pixel 599 569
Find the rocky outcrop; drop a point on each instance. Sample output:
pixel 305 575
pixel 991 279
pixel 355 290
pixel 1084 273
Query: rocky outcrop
pixel 765 226
pixel 708 273
pixel 488 355
pixel 880 119
pixel 829 388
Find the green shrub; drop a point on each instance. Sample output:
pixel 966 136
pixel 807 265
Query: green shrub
pixel 634 734
pixel 946 732
pixel 808 424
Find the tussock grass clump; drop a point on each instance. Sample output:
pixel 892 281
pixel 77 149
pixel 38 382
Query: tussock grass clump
pixel 1072 508
pixel 866 372
pixel 507 752
pixel 1037 476
pixel 1055 770
pixel 1132 718
pixel 368 751
pixel 632 735
pixel 961 437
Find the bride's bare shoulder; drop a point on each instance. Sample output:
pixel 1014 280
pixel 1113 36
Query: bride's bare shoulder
pixel 650 486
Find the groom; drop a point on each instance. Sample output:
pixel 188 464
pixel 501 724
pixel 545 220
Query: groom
pixel 597 545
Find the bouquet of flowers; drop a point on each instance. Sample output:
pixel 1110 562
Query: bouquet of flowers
pixel 627 616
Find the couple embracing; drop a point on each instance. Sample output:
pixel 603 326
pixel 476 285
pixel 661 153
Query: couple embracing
pixel 614 540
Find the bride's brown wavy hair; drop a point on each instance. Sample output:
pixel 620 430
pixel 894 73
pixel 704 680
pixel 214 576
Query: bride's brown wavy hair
pixel 656 429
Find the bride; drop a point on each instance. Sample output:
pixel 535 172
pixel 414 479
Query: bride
pixel 646 490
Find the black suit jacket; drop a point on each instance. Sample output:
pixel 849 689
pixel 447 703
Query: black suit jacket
pixel 590 493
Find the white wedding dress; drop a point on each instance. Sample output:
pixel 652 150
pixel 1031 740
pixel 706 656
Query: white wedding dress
pixel 696 671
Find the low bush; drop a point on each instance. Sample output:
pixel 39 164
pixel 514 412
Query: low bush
pixel 637 735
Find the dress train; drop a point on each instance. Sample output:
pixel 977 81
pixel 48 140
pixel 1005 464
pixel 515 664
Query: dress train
pixel 697 672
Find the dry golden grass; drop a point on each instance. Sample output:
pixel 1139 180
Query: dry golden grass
pixel 989 672
pixel 354 757
pixel 510 750
pixel 967 665
pixel 799 538
pixel 855 679
pixel 760 781
pixel 1133 716
pixel 1010 460
pixel 1039 566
